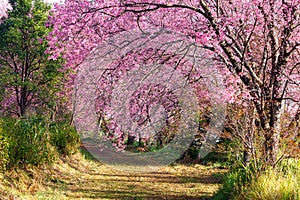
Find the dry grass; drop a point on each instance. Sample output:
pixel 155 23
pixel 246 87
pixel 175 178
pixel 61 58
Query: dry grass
pixel 77 178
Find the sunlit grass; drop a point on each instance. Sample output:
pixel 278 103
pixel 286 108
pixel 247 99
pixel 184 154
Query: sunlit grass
pixel 275 184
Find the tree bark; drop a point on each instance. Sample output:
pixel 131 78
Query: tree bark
pixel 272 130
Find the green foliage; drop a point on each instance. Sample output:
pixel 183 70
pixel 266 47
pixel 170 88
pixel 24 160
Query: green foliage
pixel 65 138
pixel 234 181
pixel 214 157
pixel 240 173
pixel 28 78
pixel 28 142
pixel 154 148
pixel 86 154
pixel 32 141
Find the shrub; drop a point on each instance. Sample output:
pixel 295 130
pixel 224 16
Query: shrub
pixel 65 138
pixel 28 141
pixel 34 141
pixel 235 180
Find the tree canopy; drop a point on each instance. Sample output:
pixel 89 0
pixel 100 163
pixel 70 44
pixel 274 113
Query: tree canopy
pixel 28 78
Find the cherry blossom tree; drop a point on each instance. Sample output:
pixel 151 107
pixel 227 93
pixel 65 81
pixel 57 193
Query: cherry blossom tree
pixel 254 43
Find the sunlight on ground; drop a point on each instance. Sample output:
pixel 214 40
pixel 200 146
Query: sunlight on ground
pixel 78 178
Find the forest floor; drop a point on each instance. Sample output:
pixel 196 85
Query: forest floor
pixel 79 178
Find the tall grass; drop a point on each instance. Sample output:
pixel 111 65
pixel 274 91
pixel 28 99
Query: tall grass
pixel 28 142
pixel 32 141
pixel 247 183
pixel 282 183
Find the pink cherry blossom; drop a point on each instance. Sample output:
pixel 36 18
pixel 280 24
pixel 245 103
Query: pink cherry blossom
pixel 254 44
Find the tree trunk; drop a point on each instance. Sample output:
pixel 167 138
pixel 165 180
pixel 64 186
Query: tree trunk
pixel 272 133
pixel 271 146
pixel 246 157
pixel 23 101
pixel 130 139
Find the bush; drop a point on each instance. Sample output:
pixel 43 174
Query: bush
pixel 65 138
pixel 235 180
pixel 34 141
pixel 28 142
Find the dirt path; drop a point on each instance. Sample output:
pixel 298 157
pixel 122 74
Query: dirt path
pixel 82 179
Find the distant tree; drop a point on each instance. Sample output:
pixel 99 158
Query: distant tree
pixel 27 78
